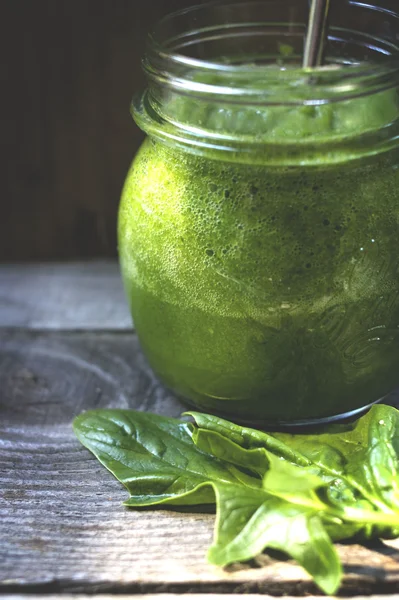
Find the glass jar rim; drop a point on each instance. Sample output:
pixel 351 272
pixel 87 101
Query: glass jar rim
pixel 165 64
pixel 270 113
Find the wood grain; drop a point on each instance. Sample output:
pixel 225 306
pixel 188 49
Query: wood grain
pixel 79 295
pixel 62 526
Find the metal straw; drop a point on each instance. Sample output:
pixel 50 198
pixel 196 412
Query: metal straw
pixel 316 33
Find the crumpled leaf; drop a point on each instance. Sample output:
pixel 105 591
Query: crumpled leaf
pixel 292 493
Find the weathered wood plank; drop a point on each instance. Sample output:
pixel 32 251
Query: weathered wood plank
pixel 84 295
pixel 62 526
pixel 48 378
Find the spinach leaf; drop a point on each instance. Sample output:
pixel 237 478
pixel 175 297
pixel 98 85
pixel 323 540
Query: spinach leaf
pixel 297 484
pixel 248 438
pixel 154 457
pixel 212 442
pixel 359 462
pixel 363 458
pixel 292 493
pixel 157 461
pixel 250 520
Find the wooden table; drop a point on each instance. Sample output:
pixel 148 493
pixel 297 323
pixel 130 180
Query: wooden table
pixel 66 345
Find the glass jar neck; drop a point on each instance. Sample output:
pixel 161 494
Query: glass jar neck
pixel 226 78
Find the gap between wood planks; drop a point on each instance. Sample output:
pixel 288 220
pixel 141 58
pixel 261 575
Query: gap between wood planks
pixel 71 590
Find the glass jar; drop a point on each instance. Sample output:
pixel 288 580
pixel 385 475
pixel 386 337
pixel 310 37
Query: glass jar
pixel 258 226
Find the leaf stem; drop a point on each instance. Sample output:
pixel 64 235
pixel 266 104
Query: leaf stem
pixel 390 519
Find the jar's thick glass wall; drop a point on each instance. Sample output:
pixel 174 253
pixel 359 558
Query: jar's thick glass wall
pixel 264 280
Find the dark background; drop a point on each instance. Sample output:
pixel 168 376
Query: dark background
pixel 70 69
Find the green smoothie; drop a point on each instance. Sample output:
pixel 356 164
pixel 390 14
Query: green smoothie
pixel 261 291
